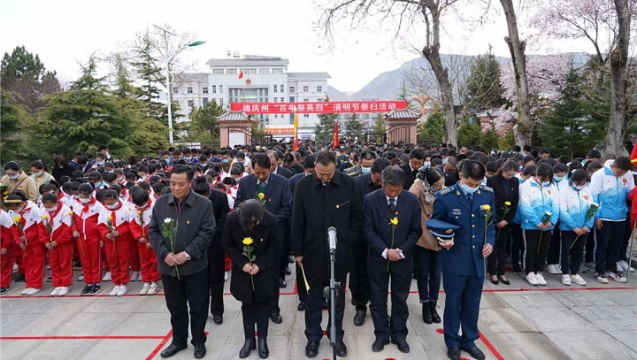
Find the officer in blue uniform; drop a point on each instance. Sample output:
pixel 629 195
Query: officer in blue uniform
pixel 470 206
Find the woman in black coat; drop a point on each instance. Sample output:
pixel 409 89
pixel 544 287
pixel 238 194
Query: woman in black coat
pixel 506 189
pixel 251 228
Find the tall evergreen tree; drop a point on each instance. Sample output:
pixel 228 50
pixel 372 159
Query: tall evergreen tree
pixel 469 133
pixel 14 126
pixel 484 90
pixel 433 129
pixel 353 127
pixel 324 131
pixel 151 77
pixel 204 127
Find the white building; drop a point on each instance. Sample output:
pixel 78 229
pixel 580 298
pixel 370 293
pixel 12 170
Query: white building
pixel 254 79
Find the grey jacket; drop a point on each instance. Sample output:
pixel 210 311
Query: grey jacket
pixel 195 230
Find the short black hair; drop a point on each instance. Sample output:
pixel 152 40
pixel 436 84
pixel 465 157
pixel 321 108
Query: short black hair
pixel 622 163
pixel 594 154
pixel 325 158
pixel 37 165
pixel 49 198
pixel 262 160
pixel 379 165
pixel 417 154
pixel 472 169
pixel 12 165
pixel 140 198
pixel 183 169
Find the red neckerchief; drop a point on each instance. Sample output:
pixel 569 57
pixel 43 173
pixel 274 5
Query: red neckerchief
pixel 114 215
pixel 88 205
pixel 123 191
pixel 60 195
pixel 57 211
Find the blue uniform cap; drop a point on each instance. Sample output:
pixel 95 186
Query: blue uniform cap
pixel 441 229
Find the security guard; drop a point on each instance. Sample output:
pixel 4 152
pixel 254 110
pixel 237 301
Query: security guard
pixel 469 205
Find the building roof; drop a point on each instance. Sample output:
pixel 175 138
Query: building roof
pixel 308 75
pixel 249 60
pixel 233 116
pixel 402 114
pixel 191 77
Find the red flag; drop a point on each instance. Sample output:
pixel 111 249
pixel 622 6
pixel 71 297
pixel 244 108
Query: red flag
pixel 336 142
pixel 633 155
pixel 241 75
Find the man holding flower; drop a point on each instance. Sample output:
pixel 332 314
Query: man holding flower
pixel 182 258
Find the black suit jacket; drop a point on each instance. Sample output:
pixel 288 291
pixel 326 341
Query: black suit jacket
pixel 286 173
pixel 220 208
pixel 410 176
pixel 496 182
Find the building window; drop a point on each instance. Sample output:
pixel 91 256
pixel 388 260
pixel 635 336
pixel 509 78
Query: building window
pixel 189 89
pixel 274 88
pixel 306 115
pixel 276 116
pixel 292 89
pixel 217 71
pixel 221 102
pixel 319 89
pixel 205 101
pixel 306 89
pixel 214 89
pixel 231 71
pixel 281 89
pixel 191 103
pixel 264 71
pixel 274 100
pixel 205 89
pixel 175 90
pixel 249 71
pixel 306 100
pixel 220 89
pixel 277 71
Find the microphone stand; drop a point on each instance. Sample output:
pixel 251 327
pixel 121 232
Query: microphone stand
pixel 330 293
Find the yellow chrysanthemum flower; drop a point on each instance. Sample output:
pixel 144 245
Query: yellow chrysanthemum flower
pixel 261 196
pixel 507 203
pixel 394 221
pixel 486 207
pixel 17 219
pixel 247 241
pixel 44 217
pixel 109 218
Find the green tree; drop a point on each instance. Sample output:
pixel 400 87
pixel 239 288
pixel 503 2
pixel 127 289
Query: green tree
pixel 204 127
pixel 13 127
pixel 353 127
pixel 565 129
pixel 507 141
pixel 149 73
pixel 123 86
pixel 324 131
pixel 489 140
pixel 25 75
pixel 469 133
pixel 433 129
pixel 403 95
pixel 484 89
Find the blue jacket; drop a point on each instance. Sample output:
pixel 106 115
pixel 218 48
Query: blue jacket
pixel 574 205
pixel 610 192
pixel 535 201
pixel 451 205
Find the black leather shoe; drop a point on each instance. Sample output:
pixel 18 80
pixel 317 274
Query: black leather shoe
pixel 359 318
pixel 475 353
pixel 263 348
pixel 426 313
pixel 172 350
pixel 311 349
pixel 200 351
pixel 504 280
pixel 495 279
pixel 379 345
pixel 218 319
pixel 434 313
pixel 248 346
pixel 301 306
pixel 288 271
pixel 403 347
pixel 341 349
pixel 453 352
pixel 276 318
pixel 282 284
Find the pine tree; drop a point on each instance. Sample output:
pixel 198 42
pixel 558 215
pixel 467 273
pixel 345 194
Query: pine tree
pixel 489 140
pixel 14 127
pixel 151 76
pixel 204 127
pixel 403 95
pixel 484 89
pixel 432 131
pixel 469 133
pixel 324 131
pixel 353 127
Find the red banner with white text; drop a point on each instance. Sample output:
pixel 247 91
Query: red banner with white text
pixel 319 107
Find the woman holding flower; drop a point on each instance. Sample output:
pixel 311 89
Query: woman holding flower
pixel 250 239
pixel 577 216
pixel 506 189
pixel 57 227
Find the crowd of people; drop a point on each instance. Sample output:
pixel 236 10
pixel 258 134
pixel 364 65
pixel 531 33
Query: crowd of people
pixel 401 212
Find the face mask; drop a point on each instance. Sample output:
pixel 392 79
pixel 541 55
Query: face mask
pixel 37 174
pixel 85 201
pixel 142 178
pixel 226 161
pixel 112 207
pixel 426 164
pixel 52 210
pixel 444 160
pixel 520 167
pixel 61 167
pixel 558 178
pixel 546 184
pixel 14 177
pixel 468 189
pixel 579 187
pixel 366 170
pixel 100 163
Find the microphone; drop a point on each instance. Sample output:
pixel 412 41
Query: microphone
pixel 331 234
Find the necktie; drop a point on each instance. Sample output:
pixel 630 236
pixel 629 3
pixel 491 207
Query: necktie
pixel 470 198
pixel 392 205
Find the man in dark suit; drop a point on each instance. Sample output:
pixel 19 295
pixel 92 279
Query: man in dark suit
pixel 416 159
pixel 275 167
pixel 391 225
pixel 325 199
pixel 449 168
pixel 463 260
pixel 358 278
pixel 278 201
pixel 216 263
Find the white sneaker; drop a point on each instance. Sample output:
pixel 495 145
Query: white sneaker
pixel 566 280
pixel 553 269
pixel 615 276
pixel 145 288
pixel 122 290
pixel 590 266
pixel 114 291
pixel 624 265
pixel 134 276
pixel 15 267
pixel 33 291
pixel 80 278
pixel 63 291
pixel 619 268
pixel 55 291
pixel 540 279
pixel 154 289
pixel 602 279
pixel 107 276
pixel 226 275
pixel 26 291
pixel 578 280
pixel 530 277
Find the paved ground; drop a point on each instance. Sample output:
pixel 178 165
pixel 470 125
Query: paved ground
pixel 516 322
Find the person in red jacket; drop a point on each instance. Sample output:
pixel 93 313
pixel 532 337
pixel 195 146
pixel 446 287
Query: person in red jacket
pixel 57 223
pixel 114 226
pixel 29 239
pixel 139 228
pixel 8 232
pixel 134 261
pixel 87 235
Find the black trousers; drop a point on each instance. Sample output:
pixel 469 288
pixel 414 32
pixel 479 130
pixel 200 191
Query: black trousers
pixel 286 247
pixel 497 259
pixel 396 327
pixel 255 313
pixel 572 254
pixel 537 244
pixel 190 291
pixel 358 277
pixel 216 270
pixel 273 303
pixel 517 245
pixel 314 311
pixel 554 255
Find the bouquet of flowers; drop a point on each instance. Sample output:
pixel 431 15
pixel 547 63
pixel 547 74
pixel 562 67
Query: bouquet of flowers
pixel 547 217
pixel 248 250
pixel 505 209
pixel 589 215
pixel 393 222
pixel 169 230
pixel 488 220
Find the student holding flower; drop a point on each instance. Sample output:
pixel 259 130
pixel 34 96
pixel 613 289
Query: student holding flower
pixel 57 226
pixel 250 238
pixel 8 231
pixel 85 214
